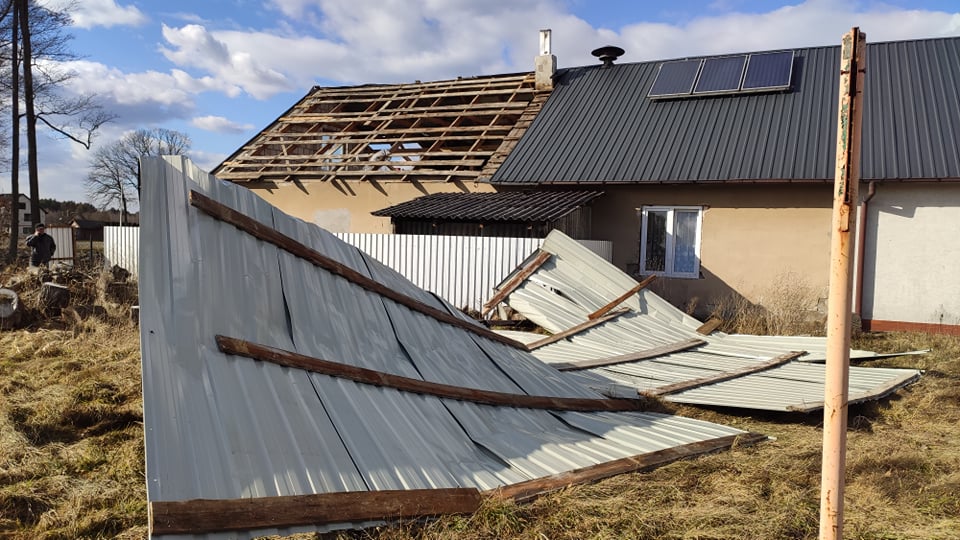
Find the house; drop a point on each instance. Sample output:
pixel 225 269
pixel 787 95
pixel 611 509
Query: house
pixel 341 153
pixel 718 171
pixel 26 225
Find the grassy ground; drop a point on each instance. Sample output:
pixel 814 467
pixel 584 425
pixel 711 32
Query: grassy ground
pixel 71 466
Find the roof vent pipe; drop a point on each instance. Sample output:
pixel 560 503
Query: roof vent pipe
pixel 607 54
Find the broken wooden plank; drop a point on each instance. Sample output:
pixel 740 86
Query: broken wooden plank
pixel 268 234
pixel 620 299
pixel 525 491
pixel 575 329
pixel 200 516
pixel 290 359
pixel 708 327
pixel 515 281
pixel 720 377
pixel 632 357
pixel 877 392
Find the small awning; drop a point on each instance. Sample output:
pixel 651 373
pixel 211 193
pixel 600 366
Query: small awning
pixel 502 206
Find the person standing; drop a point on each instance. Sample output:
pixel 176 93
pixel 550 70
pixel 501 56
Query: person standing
pixel 42 245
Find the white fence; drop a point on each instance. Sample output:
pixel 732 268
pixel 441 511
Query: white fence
pixel 462 270
pixel 63 238
pixel 121 247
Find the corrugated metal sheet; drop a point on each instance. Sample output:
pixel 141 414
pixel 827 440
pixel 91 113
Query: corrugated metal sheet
pixel 225 427
pixel 463 270
pixel 121 247
pixel 63 238
pixel 574 283
pixel 502 206
pixel 598 126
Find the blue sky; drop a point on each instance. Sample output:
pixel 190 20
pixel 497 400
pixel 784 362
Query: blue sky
pixel 222 70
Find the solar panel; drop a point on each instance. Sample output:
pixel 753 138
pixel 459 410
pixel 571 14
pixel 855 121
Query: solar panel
pixel 720 75
pixel 675 78
pixel 769 71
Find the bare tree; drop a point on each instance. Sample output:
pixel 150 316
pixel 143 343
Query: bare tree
pixel 38 50
pixel 115 168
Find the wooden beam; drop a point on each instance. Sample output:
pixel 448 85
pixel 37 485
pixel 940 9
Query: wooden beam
pixel 290 359
pixel 525 491
pixel 632 357
pixel 620 299
pixel 720 377
pixel 575 329
pixel 268 234
pixel 200 516
pixel 708 327
pixel 515 281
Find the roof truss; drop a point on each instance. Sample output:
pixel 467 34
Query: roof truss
pixel 437 131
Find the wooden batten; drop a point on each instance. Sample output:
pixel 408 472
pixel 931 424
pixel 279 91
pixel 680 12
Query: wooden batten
pixel 268 234
pixel 710 326
pixel 200 516
pixel 576 329
pixel 289 359
pixel 720 377
pixel 531 489
pixel 515 281
pixel 632 357
pixel 620 299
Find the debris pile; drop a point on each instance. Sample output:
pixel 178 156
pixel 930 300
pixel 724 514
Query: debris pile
pixel 63 294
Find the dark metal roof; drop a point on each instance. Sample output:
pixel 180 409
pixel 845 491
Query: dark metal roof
pixel 505 206
pixel 598 126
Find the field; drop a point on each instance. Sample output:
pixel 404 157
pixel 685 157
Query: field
pixel 71 466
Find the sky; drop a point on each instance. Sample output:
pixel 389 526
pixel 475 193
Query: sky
pixel 223 70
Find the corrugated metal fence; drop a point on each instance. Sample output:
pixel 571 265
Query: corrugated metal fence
pixel 460 269
pixel 121 247
pixel 63 238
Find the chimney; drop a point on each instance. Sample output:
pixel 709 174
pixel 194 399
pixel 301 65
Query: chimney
pixel 545 64
pixel 607 54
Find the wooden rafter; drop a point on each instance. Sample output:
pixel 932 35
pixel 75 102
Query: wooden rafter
pixel 435 131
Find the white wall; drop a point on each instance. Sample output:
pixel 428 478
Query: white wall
pixel 912 254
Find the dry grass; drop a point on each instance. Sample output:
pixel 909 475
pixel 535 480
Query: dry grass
pixel 71 460
pixel 787 307
pixel 71 433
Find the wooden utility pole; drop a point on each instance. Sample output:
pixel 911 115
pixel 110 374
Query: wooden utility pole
pixel 852 66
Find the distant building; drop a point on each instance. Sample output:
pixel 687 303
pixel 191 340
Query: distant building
pixel 26 226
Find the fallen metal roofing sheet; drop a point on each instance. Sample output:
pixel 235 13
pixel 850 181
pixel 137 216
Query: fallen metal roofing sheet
pixel 224 428
pixel 574 283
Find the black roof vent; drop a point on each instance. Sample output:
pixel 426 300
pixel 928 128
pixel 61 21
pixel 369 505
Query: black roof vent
pixel 607 54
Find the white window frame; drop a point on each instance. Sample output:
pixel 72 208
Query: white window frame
pixel 670 246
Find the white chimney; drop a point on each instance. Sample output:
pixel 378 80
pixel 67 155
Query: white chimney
pixel 545 64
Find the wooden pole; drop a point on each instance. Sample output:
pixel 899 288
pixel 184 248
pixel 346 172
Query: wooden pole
pixel 852 65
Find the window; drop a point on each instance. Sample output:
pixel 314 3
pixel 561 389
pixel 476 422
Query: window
pixel 670 241
pixel 23 206
pixel 26 230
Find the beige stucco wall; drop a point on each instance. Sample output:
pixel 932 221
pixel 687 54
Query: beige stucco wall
pixel 754 237
pixel 912 254
pixel 340 206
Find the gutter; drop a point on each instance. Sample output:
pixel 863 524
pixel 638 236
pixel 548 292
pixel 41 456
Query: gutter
pixel 861 237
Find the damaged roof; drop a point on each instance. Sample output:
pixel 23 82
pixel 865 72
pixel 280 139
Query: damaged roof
pixel 292 383
pixel 654 348
pixel 502 206
pixel 423 131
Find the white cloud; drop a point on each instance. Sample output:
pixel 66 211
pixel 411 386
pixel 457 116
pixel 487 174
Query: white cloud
pixel 220 124
pixel 241 67
pixel 92 13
